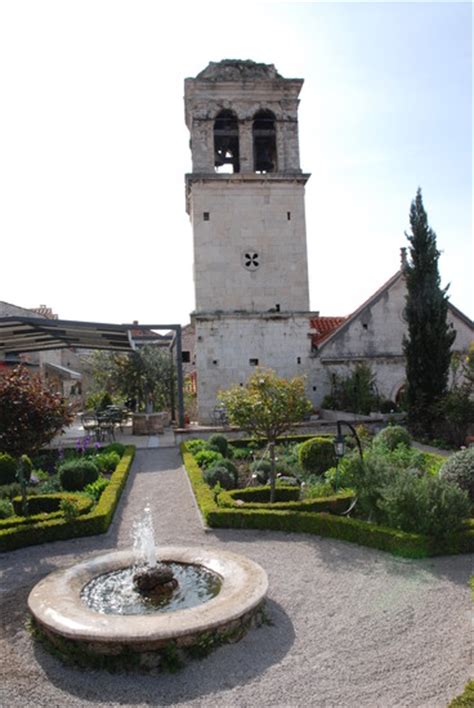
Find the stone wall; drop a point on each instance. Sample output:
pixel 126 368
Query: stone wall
pixel 261 217
pixel 230 347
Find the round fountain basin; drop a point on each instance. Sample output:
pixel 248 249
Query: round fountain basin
pixel 56 603
pixel 116 593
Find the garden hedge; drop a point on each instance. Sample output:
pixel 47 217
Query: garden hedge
pixel 56 528
pixel 245 442
pixel 51 502
pixel 287 499
pixel 409 545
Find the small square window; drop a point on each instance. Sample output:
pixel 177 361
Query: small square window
pixel 206 215
pixel 314 388
pixel 185 357
pixel 215 362
pixel 253 362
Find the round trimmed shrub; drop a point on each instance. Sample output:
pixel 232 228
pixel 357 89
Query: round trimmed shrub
pixel 7 468
pixel 220 443
pixel 459 469
pixel 219 473
pixel 392 436
pixel 317 455
pixel 205 458
pixel 74 475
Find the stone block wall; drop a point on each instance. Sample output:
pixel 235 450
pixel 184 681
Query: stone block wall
pixel 230 347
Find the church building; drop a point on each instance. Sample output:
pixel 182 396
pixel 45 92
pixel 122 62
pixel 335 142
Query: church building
pixel 245 198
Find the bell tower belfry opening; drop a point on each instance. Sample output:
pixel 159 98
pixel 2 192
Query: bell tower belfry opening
pixel 245 198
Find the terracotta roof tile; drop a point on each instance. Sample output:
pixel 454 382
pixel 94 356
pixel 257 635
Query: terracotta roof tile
pixel 324 326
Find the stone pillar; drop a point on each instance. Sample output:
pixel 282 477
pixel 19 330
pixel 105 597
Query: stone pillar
pixel 246 145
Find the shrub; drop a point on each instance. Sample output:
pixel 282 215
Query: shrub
pixel 214 472
pixel 425 504
pixel 391 436
pixel 196 445
pixel 219 474
pixel 117 447
pixel 106 461
pixel 7 469
pixel 76 474
pixel 50 503
pixel 459 469
pixel 387 406
pixel 240 453
pixel 354 392
pixel 95 489
pixel 205 458
pixel 262 469
pixel 69 508
pixel 6 509
pixel 8 491
pixel 318 490
pixel 455 416
pixel 368 478
pixel 30 414
pixel 49 486
pixel 317 455
pixel 34 530
pixel 218 442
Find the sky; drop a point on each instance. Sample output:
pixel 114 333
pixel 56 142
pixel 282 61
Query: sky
pixel 94 148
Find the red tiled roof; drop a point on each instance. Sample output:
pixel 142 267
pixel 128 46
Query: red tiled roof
pixel 324 326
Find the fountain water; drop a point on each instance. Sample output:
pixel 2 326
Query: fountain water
pixel 97 607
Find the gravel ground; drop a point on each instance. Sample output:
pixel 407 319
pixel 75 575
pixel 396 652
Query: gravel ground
pixel 350 626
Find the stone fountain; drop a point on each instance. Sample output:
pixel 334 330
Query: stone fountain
pixel 124 603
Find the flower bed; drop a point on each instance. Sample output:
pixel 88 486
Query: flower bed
pixel 230 515
pixel 16 532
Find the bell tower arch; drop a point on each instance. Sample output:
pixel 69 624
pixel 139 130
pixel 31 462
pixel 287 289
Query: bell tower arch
pixel 245 199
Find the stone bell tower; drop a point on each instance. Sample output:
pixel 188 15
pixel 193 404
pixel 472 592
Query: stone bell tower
pixel 245 198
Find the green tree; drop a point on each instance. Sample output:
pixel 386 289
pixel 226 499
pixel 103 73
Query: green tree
pixel 143 375
pixel 427 346
pixel 266 407
pixel 30 414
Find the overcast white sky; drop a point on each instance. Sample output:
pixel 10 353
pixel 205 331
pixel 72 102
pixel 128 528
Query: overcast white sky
pixel 93 145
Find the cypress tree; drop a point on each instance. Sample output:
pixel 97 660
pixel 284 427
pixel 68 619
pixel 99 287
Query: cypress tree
pixel 427 346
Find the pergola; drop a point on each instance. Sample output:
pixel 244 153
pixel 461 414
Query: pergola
pixel 35 334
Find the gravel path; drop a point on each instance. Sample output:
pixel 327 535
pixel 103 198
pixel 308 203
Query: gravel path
pixel 351 626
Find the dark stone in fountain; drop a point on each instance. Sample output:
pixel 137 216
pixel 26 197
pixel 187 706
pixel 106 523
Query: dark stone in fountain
pixel 157 580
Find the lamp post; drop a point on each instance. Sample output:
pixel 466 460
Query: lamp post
pixel 339 449
pixel 340 446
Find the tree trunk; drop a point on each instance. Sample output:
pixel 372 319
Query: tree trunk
pixel 272 472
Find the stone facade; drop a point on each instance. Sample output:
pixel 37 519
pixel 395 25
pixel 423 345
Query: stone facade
pixel 373 334
pixel 245 198
pixel 230 347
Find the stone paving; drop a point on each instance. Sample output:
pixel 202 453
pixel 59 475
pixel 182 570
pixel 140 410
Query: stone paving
pixel 350 626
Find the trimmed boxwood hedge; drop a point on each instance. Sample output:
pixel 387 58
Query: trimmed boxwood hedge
pixel 287 498
pixel 245 442
pixel 89 524
pixel 409 545
pixel 49 503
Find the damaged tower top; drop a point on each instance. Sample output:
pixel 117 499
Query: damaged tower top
pixel 243 118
